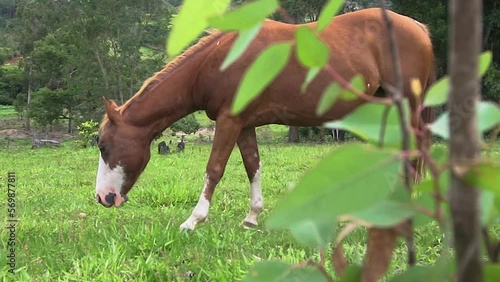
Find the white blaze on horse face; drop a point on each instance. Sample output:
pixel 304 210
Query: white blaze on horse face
pixel 256 200
pixel 200 211
pixel 109 180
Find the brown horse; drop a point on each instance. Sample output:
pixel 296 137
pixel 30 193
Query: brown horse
pixel 359 44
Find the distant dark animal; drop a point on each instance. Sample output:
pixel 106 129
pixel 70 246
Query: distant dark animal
pixel 338 135
pixel 359 44
pixel 163 148
pixel 181 145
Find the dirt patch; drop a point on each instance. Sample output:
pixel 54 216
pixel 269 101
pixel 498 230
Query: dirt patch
pixel 13 60
pixel 205 132
pixel 17 133
pixel 14 133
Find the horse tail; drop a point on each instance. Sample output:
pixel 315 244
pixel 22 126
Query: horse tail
pixel 427 116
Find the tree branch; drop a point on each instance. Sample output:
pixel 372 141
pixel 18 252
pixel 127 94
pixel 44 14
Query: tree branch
pixel 397 98
pixel 347 85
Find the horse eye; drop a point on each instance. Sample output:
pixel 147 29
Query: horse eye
pixel 102 148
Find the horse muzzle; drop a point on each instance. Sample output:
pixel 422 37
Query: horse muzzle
pixel 111 199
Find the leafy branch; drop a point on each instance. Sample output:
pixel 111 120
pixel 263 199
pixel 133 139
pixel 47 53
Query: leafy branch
pixel 324 196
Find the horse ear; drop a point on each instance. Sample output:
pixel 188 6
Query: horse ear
pixel 111 109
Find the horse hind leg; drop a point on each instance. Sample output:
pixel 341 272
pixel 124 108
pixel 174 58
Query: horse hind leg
pixel 227 132
pixel 247 144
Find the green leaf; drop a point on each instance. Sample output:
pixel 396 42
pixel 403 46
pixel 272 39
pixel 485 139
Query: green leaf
pixel 187 27
pixel 485 175
pixel 240 44
pixel 491 272
pixel 426 186
pixel 275 271
pixel 246 16
pixel 308 274
pixel 358 83
pixel 488 117
pixel 311 74
pixel 440 271
pixel 416 273
pixel 314 234
pixel 260 74
pixel 332 92
pixel 328 12
pixel 268 271
pixel 366 122
pixel 328 190
pixel 351 273
pixel 487 207
pixel 440 154
pixel 389 212
pixel 438 93
pixel 426 201
pixel 484 62
pixel 423 193
pixel 385 214
pixel 311 51
pixel 440 126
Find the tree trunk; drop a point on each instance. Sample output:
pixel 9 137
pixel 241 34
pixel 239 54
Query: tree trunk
pixel 28 123
pixel 70 122
pixel 103 68
pixel 293 134
pixel 465 47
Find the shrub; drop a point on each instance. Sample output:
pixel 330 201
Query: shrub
pixel 188 124
pixel 88 132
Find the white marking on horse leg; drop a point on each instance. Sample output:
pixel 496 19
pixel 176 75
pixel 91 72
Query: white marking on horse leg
pixel 109 181
pixel 256 200
pixel 200 211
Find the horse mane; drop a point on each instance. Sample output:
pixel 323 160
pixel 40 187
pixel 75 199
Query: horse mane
pixel 171 66
pixel 168 69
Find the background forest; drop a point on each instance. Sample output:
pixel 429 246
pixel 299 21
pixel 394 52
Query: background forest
pixel 59 57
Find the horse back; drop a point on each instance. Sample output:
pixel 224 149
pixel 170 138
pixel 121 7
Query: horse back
pixel 359 44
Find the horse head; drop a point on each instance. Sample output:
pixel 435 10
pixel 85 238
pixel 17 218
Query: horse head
pixel 124 153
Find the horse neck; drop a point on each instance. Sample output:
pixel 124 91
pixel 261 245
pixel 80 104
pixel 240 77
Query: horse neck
pixel 168 101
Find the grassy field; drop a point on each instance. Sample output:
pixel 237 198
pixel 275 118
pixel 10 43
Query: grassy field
pixel 64 235
pixel 7 112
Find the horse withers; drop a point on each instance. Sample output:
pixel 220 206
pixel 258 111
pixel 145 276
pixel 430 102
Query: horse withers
pixel 359 44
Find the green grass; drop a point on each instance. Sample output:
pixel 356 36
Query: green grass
pixel 7 112
pixel 64 235
pixel 9 118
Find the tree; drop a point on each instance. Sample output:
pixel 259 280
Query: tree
pixel 90 49
pixel 435 13
pixel 12 82
pixel 188 125
pixel 46 106
pixel 465 147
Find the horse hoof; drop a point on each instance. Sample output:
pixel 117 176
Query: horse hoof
pixel 249 225
pixel 186 227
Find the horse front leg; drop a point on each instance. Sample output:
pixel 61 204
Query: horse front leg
pixel 226 134
pixel 247 143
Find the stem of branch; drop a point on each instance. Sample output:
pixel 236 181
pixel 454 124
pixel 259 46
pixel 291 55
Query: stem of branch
pixel 347 85
pixel 321 266
pixel 397 98
pixel 384 123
